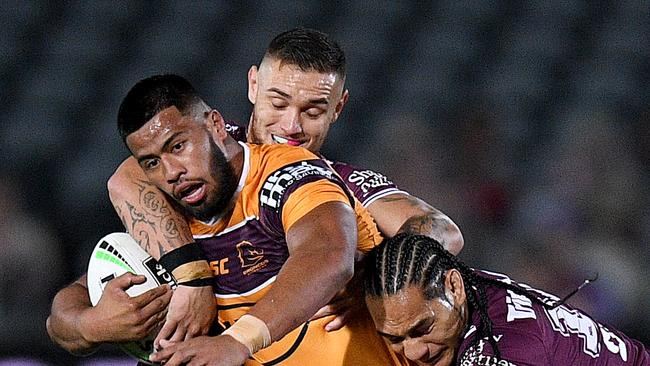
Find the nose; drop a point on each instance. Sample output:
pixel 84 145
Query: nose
pixel 414 350
pixel 173 170
pixel 290 123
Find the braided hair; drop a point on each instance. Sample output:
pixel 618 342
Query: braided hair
pixel 416 260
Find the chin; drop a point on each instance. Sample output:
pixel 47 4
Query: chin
pixel 446 359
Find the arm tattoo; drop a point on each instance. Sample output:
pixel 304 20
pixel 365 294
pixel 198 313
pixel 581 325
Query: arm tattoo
pixel 424 225
pixel 153 222
pixel 429 223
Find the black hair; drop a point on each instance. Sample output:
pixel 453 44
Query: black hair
pixel 150 96
pixel 308 49
pixel 417 260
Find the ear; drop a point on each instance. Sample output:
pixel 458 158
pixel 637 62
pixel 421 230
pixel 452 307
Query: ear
pixel 252 84
pixel 217 125
pixel 455 287
pixel 339 106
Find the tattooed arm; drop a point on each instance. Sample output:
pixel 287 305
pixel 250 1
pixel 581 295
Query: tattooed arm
pixel 403 213
pixel 395 213
pixel 147 213
pixel 157 224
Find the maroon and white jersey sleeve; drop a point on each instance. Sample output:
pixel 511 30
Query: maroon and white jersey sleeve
pixel 366 185
pixel 236 131
pixel 528 333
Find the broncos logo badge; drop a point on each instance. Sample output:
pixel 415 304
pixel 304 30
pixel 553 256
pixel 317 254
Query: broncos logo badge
pixel 248 254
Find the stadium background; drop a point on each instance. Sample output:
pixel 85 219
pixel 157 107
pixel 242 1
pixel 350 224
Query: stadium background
pixel 526 122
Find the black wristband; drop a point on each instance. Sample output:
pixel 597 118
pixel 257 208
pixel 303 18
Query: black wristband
pixel 199 282
pixel 185 254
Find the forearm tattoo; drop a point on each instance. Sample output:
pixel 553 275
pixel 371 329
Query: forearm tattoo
pixel 427 224
pixel 153 222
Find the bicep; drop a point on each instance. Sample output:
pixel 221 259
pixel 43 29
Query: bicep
pixel 329 228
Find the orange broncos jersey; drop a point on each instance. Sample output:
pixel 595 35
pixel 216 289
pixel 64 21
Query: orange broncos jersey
pixel 247 248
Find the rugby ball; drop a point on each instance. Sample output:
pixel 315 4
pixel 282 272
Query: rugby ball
pixel 114 255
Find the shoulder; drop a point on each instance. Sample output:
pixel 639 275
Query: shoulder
pixel 366 185
pixel 279 154
pixel 282 169
pixel 236 131
pixel 516 347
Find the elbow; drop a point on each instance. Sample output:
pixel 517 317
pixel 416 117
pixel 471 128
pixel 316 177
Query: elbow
pixel 75 348
pixel 454 241
pixel 123 178
pixel 50 332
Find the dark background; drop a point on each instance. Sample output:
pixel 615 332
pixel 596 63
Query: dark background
pixel 526 122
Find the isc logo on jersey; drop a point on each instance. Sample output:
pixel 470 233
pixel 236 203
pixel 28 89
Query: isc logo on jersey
pixel 275 185
pixel 114 255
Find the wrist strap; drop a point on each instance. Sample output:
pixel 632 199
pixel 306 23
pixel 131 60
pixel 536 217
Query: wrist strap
pixel 250 331
pixel 188 265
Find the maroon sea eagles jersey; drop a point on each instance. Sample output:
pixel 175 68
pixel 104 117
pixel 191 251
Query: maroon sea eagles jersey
pixel 528 333
pixel 366 185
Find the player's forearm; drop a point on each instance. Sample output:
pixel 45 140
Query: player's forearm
pixel 438 226
pixel 146 212
pixel 322 248
pixel 66 323
pixel 403 213
pixel 302 287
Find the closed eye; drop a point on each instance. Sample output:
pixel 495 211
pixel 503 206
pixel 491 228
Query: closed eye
pixel 278 103
pixel 314 112
pixel 394 339
pixel 149 164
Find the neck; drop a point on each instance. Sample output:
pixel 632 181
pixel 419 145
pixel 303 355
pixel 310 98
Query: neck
pixel 234 153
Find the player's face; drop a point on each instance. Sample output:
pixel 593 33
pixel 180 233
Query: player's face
pixel 427 332
pixel 293 106
pixel 179 154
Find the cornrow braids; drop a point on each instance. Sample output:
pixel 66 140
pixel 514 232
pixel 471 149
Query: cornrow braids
pixel 417 260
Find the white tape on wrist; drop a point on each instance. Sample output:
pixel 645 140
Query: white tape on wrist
pixel 250 331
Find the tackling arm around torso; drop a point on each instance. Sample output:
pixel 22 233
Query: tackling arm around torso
pixel 79 328
pixel 402 213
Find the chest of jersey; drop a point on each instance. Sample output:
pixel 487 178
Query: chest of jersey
pixel 244 258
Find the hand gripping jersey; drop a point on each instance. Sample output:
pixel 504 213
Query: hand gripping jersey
pixel 528 333
pixel 246 249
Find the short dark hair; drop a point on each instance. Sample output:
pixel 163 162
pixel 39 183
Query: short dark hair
pixel 150 96
pixel 308 49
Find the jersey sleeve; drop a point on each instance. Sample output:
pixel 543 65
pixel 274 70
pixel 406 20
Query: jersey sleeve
pixel 309 196
pixel 292 191
pixel 236 131
pixel 516 347
pixel 366 185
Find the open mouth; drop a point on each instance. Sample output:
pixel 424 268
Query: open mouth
pixel 192 194
pixel 284 140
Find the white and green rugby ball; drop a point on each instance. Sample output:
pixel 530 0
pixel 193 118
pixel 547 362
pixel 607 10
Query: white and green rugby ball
pixel 114 255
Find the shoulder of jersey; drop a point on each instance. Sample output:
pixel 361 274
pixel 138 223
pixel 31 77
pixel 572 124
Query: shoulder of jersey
pixel 283 153
pixel 236 131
